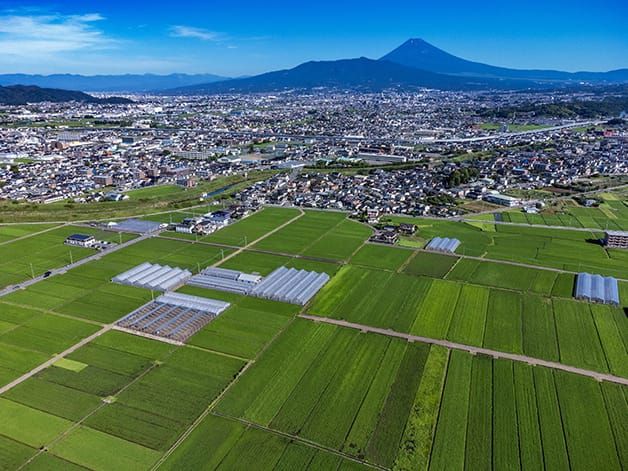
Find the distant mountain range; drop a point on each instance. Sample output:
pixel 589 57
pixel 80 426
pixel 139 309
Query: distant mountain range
pixel 414 64
pixel 109 83
pixel 356 74
pixel 420 54
pixel 23 94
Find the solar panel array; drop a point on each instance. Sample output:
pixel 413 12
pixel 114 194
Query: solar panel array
pixel 222 279
pixel 443 244
pixel 173 316
pixel 290 285
pixel 156 277
pixel 597 288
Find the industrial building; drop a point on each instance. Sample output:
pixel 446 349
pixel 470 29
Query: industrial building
pixel 155 277
pixel 290 285
pixel 443 244
pixel 225 280
pixel 173 316
pixel 596 288
pixel 616 239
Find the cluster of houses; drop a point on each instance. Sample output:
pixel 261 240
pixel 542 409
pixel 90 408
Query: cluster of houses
pixel 210 222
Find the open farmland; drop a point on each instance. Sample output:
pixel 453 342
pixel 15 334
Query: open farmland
pixel 612 213
pixel 153 392
pixel 548 247
pixel 408 405
pixel 31 256
pixel 505 320
pixel 14 231
pixel 321 234
pixel 261 387
pixel 87 292
pixel 253 227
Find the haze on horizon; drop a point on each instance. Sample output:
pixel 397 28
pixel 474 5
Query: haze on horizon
pixel 91 37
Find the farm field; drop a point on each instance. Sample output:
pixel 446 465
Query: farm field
pixel 245 328
pixel 563 330
pixel 21 259
pixel 153 390
pixel 13 231
pixel 86 291
pixel 611 214
pixel 409 406
pixel 430 264
pixel 250 261
pixel 29 337
pixel 261 388
pixel 549 247
pixel 379 256
pixel 252 227
pixel 321 234
pixel 220 443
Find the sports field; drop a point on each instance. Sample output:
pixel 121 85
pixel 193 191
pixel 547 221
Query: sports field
pixel 262 387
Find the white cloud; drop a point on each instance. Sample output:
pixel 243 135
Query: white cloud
pixel 39 36
pixel 181 31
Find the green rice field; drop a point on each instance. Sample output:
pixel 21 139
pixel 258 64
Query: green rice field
pixel 263 387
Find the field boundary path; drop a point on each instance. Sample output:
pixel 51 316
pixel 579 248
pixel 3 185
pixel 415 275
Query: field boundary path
pixel 470 349
pixel 493 260
pixel 54 359
pixel 32 234
pixel 250 244
pixel 61 270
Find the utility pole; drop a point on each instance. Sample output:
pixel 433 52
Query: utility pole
pixel 32 271
pixel 71 258
pixel 222 254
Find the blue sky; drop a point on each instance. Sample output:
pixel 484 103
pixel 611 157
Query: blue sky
pixel 235 38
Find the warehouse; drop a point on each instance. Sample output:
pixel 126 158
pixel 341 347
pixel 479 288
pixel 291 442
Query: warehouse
pixel 290 285
pixel 222 279
pixel 173 316
pixel 155 277
pixel 443 244
pixel 596 288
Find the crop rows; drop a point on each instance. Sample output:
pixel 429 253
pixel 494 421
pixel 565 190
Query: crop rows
pixel 572 332
pixel 153 392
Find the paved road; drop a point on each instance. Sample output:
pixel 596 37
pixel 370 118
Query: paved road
pixel 54 359
pixel 83 261
pixel 473 350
